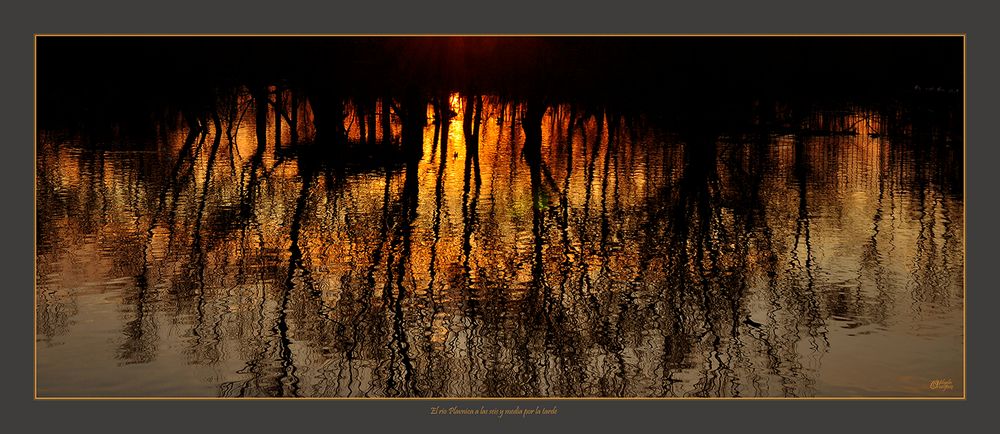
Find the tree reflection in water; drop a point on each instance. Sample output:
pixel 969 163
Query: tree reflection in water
pixel 594 253
pixel 464 232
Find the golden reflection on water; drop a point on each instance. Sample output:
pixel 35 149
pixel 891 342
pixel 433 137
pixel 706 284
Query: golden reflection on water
pixel 631 262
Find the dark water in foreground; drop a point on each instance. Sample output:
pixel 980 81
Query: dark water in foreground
pixel 631 262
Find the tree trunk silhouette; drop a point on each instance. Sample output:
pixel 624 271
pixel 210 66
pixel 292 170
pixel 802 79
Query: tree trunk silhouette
pixel 278 108
pixel 386 120
pixel 471 121
pixel 361 112
pixel 328 116
pixel 294 123
pixel 372 121
pixel 413 114
pixel 260 120
pixel 531 123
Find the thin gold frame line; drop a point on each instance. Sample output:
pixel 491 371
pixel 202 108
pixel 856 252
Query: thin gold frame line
pixel 34 220
pixel 773 398
pixel 501 35
pixel 965 214
pixel 965 304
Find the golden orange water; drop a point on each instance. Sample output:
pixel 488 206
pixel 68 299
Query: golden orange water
pixel 626 264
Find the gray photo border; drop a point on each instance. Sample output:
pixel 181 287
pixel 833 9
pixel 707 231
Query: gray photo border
pixel 21 21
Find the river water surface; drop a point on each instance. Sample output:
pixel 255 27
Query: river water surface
pixel 631 261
